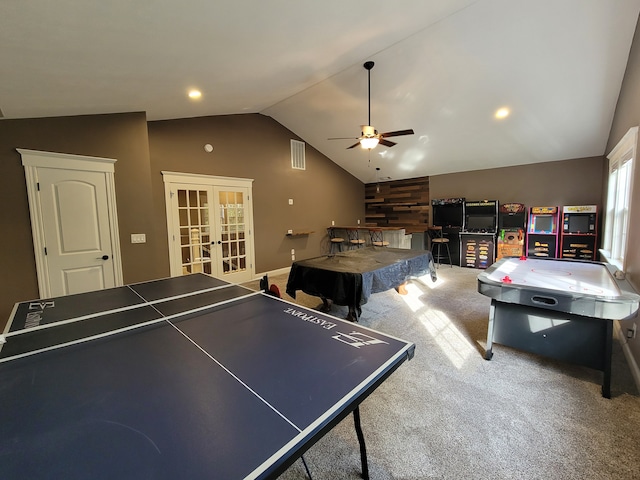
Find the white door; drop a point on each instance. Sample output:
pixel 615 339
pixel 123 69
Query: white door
pixel 74 222
pixel 78 253
pixel 231 233
pixel 191 239
pixel 210 226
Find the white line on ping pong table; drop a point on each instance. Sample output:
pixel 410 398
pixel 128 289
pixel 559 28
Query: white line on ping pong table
pixel 127 328
pixel 256 394
pixel 118 310
pixel 322 419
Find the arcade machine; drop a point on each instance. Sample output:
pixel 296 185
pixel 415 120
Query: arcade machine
pixel 512 218
pixel 478 237
pixel 448 213
pixel 579 232
pixel 542 232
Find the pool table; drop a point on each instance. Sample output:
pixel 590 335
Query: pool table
pixel 350 277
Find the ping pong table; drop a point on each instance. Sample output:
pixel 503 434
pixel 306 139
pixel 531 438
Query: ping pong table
pixel 184 377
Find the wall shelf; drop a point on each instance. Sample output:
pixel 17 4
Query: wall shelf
pixel 300 233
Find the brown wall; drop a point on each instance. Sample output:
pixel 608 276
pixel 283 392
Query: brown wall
pixel 628 115
pixel 123 137
pixel 257 147
pixel 567 182
pixel 250 146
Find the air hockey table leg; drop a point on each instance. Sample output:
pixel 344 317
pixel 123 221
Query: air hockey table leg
pixel 488 353
pixel 606 381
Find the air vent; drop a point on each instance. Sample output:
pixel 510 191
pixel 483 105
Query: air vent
pixel 297 155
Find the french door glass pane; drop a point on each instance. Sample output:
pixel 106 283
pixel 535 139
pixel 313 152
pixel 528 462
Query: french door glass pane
pixel 232 215
pixel 195 233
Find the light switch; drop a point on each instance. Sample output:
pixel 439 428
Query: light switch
pixel 138 238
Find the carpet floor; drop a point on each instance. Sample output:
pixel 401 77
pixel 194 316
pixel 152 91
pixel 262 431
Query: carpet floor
pixel 450 414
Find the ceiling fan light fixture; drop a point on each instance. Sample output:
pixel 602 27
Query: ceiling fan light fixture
pixel 369 142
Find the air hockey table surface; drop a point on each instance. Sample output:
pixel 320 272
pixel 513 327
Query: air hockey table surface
pixel 571 286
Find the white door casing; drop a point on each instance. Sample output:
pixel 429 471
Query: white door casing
pixel 74 222
pixel 210 225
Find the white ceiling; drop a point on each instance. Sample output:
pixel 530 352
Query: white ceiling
pixel 442 68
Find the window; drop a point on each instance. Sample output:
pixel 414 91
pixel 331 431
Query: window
pixel 621 161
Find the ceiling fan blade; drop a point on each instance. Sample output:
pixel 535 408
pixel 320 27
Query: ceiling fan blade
pixel 343 138
pixel 386 143
pixel 353 146
pixel 398 133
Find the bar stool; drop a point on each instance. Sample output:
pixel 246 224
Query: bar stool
pixel 336 242
pixel 377 239
pixel 354 238
pixel 438 240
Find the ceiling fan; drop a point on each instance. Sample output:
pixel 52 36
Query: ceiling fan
pixel 370 137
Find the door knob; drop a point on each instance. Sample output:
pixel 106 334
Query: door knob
pixel 104 257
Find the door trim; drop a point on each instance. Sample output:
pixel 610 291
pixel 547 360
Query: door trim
pixel 171 178
pixel 34 159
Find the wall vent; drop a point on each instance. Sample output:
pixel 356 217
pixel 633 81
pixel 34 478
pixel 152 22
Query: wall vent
pixel 297 155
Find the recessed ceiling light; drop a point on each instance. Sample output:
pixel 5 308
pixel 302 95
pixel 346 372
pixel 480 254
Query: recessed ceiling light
pixel 502 112
pixel 195 94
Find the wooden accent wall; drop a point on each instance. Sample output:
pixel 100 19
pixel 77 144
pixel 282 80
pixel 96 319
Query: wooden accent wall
pixel 400 203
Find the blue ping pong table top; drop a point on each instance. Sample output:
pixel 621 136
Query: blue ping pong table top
pixel 237 390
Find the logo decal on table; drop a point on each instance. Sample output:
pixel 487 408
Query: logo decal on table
pixel 34 317
pixel 310 318
pixel 357 339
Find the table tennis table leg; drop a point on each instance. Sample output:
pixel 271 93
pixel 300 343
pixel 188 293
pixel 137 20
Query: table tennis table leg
pixel 306 468
pixel 488 353
pixel 363 448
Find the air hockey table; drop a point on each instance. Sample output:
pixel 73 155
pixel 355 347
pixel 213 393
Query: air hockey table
pixel 561 309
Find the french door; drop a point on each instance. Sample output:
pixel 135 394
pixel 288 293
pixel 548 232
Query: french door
pixel 210 226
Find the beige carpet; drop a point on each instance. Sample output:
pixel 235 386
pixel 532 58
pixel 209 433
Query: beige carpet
pixel 450 414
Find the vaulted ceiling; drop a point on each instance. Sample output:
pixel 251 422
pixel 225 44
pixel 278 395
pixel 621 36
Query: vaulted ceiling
pixel 442 68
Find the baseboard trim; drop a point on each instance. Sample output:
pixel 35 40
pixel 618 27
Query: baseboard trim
pixel 631 361
pixel 280 271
